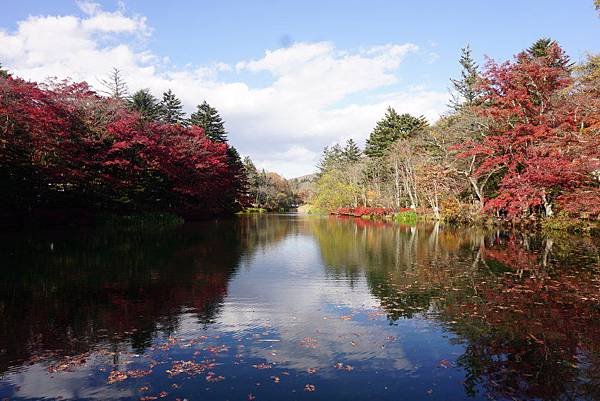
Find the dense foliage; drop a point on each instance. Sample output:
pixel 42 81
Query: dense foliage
pixel 268 190
pixel 522 140
pixel 63 147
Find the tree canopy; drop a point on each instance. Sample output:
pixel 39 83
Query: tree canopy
pixel 208 118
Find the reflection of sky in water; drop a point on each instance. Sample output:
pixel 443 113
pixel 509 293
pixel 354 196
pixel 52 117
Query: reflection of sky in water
pixel 292 306
pixel 280 310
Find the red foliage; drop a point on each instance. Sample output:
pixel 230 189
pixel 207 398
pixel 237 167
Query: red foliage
pixel 536 141
pixel 62 146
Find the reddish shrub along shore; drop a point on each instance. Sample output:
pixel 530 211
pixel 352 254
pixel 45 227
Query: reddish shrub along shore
pixel 368 211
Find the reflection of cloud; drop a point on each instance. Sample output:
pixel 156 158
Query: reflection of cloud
pixel 294 297
pixel 35 383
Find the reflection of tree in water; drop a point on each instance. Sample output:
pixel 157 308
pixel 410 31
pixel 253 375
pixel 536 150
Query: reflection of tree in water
pixel 534 330
pixel 526 307
pixel 62 293
pixel 392 257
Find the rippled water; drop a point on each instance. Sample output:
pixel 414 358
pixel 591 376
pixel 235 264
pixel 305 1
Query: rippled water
pixel 284 307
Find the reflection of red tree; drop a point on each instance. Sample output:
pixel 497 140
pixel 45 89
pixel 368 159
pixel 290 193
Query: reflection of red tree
pixel 534 327
pixel 117 311
pixel 512 255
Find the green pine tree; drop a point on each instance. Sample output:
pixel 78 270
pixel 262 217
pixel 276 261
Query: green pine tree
pixel 330 158
pixel 238 192
pixel 3 72
pixel 171 109
pixel 208 118
pixel 251 172
pixel 351 151
pixel 146 104
pixel 465 92
pixel 390 129
pixel 541 48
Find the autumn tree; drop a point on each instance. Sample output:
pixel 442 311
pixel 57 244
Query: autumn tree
pixel 334 191
pixel 66 148
pixel 518 101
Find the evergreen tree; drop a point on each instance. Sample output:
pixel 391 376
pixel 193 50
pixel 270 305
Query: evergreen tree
pixel 542 48
pixel 251 172
pixel 391 128
pixel 330 158
pixel 238 192
pixel 114 85
pixel 208 118
pixel 465 92
pixel 171 109
pixel 146 104
pixel 351 151
pixel 3 72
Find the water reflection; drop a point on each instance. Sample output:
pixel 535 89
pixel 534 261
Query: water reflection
pixel 264 306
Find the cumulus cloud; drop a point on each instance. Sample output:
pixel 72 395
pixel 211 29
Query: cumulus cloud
pixel 317 95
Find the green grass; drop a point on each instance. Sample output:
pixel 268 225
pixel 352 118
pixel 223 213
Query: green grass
pixel 406 218
pixel 250 210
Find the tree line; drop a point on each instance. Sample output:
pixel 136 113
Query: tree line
pixel 65 148
pixel 521 139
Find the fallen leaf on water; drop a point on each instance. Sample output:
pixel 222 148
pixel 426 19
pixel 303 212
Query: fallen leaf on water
pixel 216 350
pixel 188 367
pixel 137 373
pixel 116 376
pixel 444 363
pixel 213 378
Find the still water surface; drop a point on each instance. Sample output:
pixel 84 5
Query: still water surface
pixel 286 307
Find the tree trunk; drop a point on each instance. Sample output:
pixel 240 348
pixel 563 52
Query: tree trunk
pixel 547 206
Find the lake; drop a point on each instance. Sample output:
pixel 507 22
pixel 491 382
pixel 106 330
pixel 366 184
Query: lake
pixel 286 307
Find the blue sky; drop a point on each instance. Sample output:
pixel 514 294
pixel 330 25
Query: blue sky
pixel 332 69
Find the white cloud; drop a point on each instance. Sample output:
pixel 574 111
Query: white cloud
pixel 318 95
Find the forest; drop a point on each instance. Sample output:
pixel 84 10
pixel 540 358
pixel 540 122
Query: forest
pixel 520 142
pixel 68 151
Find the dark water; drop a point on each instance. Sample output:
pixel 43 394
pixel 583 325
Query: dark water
pixel 291 307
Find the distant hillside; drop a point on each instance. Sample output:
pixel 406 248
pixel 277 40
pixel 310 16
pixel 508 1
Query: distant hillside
pixel 304 186
pixel 304 178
